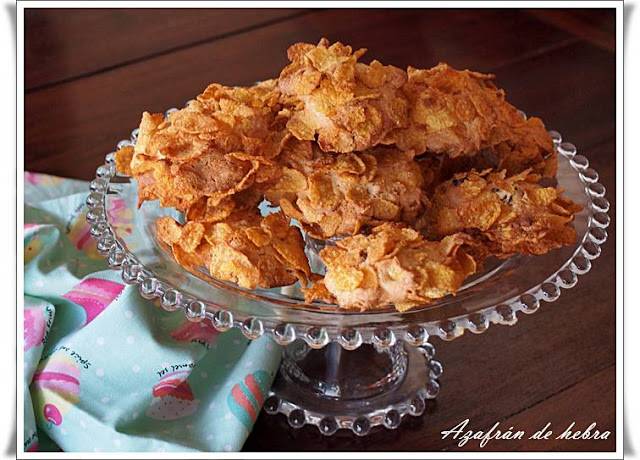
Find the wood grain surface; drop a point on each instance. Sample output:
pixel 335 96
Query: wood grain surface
pixel 90 73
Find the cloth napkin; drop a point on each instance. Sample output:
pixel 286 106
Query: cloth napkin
pixel 106 370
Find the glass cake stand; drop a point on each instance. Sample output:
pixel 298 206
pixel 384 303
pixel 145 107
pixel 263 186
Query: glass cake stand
pixel 342 369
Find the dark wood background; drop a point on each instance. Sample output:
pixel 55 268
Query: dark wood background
pixel 89 74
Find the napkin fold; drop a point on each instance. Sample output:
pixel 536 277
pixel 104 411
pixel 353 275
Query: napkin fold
pixel 106 370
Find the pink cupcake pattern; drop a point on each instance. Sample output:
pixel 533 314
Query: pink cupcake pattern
pixel 80 236
pixel 34 328
pixel 56 388
pixel 79 230
pixel 33 447
pixel 94 295
pixel 172 397
pixel 31 442
pixel 120 217
pixel 203 333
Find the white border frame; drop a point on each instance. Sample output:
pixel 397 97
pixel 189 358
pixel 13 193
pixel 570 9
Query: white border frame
pixel 617 4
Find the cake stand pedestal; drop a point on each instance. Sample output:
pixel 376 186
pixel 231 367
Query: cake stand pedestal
pixel 335 388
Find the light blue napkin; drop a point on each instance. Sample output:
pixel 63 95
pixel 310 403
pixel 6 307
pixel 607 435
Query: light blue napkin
pixel 106 370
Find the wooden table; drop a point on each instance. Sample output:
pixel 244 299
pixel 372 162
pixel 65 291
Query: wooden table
pixel 90 73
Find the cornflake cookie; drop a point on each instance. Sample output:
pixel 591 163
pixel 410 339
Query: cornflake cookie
pixel 393 266
pixel 245 249
pixel 333 195
pixel 344 105
pixel 234 132
pixel 506 215
pixel 411 178
pixel 454 112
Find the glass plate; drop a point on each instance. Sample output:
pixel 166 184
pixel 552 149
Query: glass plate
pixel 127 238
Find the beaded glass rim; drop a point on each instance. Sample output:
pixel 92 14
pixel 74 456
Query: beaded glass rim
pixel 318 333
pixel 361 423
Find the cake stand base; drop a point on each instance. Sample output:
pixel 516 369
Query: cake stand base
pixel 333 388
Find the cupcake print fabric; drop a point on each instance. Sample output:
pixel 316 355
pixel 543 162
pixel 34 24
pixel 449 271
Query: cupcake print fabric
pixel 105 370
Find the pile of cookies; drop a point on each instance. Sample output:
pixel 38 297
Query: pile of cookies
pixel 412 178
